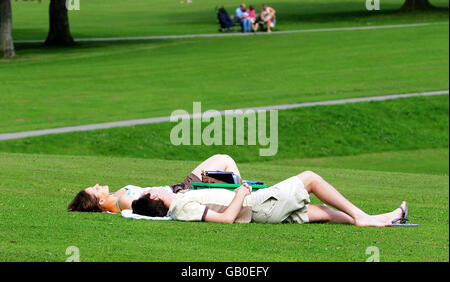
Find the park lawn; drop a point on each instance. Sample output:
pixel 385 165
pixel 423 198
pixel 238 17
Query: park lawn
pixel 113 18
pixel 376 153
pixel 429 161
pixel 36 189
pixel 100 82
pixel 325 131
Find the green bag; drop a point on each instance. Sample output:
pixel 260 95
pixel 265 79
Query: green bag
pixel 202 185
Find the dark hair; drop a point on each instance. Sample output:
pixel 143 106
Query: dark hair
pixel 84 202
pixel 251 7
pixel 146 206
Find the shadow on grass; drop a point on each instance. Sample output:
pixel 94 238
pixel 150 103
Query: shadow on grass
pixel 333 12
pixel 290 16
pixel 41 48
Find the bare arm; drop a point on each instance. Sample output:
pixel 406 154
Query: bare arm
pixel 232 211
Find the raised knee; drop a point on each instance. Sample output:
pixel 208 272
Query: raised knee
pixel 308 178
pixel 225 157
pixel 308 174
pixel 222 158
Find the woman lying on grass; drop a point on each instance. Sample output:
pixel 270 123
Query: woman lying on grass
pixel 285 202
pixel 99 199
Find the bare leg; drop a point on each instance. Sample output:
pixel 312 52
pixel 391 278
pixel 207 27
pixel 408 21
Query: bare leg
pixel 217 162
pixel 269 23
pixel 255 27
pixel 321 213
pixel 329 195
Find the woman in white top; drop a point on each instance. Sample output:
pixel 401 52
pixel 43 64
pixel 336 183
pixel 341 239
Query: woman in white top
pixel 268 17
pixel 98 198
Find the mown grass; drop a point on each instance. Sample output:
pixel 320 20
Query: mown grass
pixel 109 18
pixel 99 82
pixel 376 153
pixel 37 188
pixel 429 161
pixel 404 124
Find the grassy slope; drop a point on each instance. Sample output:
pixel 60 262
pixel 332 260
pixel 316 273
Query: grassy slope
pixel 430 161
pixel 33 216
pixel 100 82
pixel 406 124
pixel 107 18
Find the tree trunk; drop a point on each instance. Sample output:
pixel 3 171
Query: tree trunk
pixel 59 31
pixel 411 5
pixel 6 39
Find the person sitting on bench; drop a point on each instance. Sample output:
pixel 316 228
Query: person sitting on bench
pixel 267 17
pixel 243 18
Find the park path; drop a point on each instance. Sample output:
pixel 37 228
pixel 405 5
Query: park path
pixel 208 35
pixel 125 123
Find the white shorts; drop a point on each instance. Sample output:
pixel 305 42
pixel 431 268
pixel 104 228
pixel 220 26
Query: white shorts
pixel 286 201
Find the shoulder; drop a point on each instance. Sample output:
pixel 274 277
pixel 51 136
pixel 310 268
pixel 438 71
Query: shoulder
pixel 185 208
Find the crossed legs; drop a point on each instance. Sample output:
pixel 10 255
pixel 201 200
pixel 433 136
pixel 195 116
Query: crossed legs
pixel 346 213
pixel 268 22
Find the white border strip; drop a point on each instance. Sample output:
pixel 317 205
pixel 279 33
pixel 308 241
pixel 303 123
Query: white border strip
pixel 25 134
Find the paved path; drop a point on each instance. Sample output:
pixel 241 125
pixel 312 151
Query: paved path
pixel 158 37
pixel 24 134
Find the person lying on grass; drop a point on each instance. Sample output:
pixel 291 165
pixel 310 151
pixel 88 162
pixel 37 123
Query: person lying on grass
pixel 99 199
pixel 285 202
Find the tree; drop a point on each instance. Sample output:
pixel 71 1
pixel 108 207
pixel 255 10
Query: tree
pixel 6 39
pixel 411 5
pixel 59 31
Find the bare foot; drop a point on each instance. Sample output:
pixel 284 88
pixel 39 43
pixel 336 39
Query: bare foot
pixel 398 213
pixel 370 220
pixel 381 220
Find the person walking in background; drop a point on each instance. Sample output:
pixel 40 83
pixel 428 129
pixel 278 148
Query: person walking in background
pixel 243 18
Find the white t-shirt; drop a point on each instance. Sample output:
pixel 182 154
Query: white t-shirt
pixel 192 205
pixel 136 192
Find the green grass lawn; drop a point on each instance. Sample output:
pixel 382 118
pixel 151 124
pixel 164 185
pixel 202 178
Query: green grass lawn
pixel 341 130
pixel 376 153
pixel 429 161
pixel 36 189
pixel 111 18
pixel 99 82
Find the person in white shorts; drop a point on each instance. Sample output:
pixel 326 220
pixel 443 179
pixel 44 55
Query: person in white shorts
pixel 284 202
